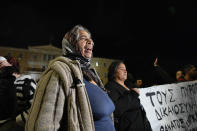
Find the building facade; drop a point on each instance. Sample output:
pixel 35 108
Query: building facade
pixel 34 60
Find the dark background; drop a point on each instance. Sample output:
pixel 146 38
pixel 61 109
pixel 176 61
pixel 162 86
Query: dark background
pixel 134 31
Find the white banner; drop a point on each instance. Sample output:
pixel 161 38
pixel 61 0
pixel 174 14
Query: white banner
pixel 171 107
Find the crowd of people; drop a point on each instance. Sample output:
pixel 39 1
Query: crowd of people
pixel 16 95
pixel 187 73
pixel 70 96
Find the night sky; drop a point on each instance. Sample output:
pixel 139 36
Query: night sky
pixel 134 31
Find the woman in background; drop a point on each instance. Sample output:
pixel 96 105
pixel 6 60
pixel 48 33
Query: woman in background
pixel 128 114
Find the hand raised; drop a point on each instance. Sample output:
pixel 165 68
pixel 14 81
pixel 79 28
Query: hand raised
pixel 156 62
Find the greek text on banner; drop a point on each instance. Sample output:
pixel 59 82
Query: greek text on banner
pixel 171 107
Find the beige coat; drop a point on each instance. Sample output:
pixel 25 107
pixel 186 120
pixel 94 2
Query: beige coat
pixel 55 87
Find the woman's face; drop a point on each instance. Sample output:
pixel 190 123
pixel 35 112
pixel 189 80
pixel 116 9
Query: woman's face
pixel 121 72
pixel 85 44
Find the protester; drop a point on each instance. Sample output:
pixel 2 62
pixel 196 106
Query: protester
pixel 180 76
pixel 70 96
pixel 25 87
pixel 129 114
pixel 7 96
pixel 165 77
pixel 189 72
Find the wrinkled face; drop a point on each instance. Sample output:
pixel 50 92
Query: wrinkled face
pixel 179 74
pixel 121 72
pixel 85 44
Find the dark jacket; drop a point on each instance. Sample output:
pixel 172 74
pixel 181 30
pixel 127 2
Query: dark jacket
pixel 166 78
pixel 7 93
pixel 128 112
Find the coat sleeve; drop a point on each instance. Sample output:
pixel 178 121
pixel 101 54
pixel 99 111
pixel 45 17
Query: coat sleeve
pixel 51 111
pixel 166 78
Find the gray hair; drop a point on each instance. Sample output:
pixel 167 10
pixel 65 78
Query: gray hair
pixel 70 39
